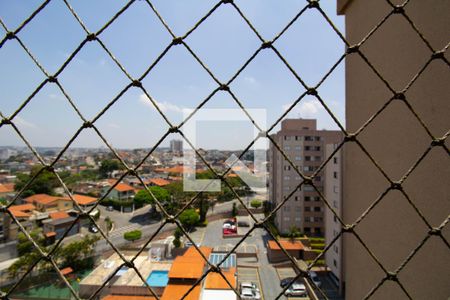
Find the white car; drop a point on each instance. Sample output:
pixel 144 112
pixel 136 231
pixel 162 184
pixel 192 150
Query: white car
pixel 315 279
pixel 249 285
pixel 250 294
pixel 296 290
pixel 228 226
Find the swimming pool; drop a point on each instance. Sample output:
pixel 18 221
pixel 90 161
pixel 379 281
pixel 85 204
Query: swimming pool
pixel 158 278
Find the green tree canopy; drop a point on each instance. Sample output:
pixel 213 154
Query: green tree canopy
pixel 44 183
pixel 160 193
pixel 107 166
pixel 189 218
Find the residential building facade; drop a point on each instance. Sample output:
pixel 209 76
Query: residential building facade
pixel 176 146
pixel 397 140
pixel 304 145
pixel 334 196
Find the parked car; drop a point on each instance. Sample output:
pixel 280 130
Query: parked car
pixel 229 231
pixel 93 228
pixel 249 294
pixel 284 282
pixel 315 279
pixel 109 208
pixel 249 285
pixel 228 225
pixel 296 290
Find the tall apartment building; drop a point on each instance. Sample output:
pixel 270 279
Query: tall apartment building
pixel 334 195
pixel 176 146
pixel 305 146
pixel 396 140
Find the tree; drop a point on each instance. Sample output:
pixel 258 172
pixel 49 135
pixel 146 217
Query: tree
pixel 255 203
pixel 44 183
pixel 132 235
pixel 177 234
pixel 107 166
pixel 189 218
pixel 234 210
pixel 143 197
pixel 24 245
pixel 203 206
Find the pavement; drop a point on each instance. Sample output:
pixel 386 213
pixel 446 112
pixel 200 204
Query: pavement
pixel 268 277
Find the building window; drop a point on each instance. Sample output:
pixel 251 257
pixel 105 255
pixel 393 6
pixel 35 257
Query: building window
pixel 287 148
pixel 335 219
pixel 298 148
pixel 307 148
pixel 286 188
pixel 316 208
pixel 287 138
pixel 307 230
pixel 297 219
pixel 296 198
pixel 316 148
pixel 309 138
pixel 307 208
pixel 307 198
pixel 316 198
pixel 296 138
pixel 335 175
pixel 335 204
pixel 317 178
pixel 307 158
pixel 299 208
pixel 317 158
pixel 318 230
pixel 334 263
pixel 317 138
pixel 335 189
pixel 335 160
pixel 287 178
pixel 287 219
pixel 298 158
pixel 308 188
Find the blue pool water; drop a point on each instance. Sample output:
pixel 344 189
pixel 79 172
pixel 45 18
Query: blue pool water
pixel 158 278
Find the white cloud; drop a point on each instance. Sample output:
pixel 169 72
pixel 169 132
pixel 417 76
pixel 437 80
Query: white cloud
pixel 163 106
pixel 307 108
pixel 21 122
pixel 250 80
pixel 114 125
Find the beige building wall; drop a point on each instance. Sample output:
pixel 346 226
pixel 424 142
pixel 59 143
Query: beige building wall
pixel 334 196
pixel 304 145
pixel 396 140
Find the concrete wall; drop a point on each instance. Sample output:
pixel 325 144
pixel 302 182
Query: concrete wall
pixel 396 140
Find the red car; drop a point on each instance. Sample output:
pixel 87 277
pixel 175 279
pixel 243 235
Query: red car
pixel 227 231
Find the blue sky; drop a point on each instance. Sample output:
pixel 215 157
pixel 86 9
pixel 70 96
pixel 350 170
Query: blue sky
pixel 223 42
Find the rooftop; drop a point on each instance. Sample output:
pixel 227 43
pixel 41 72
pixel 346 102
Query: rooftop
pixel 288 245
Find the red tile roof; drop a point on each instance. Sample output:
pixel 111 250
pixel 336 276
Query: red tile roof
pixel 176 291
pixel 59 215
pixel 6 187
pixel 21 211
pixel 44 199
pixel 66 271
pixel 123 187
pixel 84 200
pixel 288 245
pixel 158 181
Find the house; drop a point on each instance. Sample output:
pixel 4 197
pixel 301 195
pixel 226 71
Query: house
pixel 85 202
pixel 22 213
pixel 157 182
pixel 58 223
pixel 6 190
pixel 121 191
pixel 215 286
pixel 275 254
pixel 183 274
pixel 47 203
